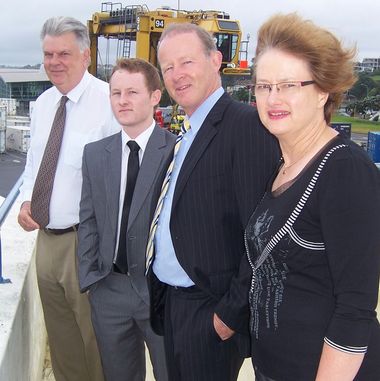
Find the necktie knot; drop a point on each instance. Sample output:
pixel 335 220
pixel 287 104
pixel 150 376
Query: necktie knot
pixel 185 126
pixel 133 146
pixel 64 99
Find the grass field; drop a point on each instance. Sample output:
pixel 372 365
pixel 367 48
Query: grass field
pixel 357 125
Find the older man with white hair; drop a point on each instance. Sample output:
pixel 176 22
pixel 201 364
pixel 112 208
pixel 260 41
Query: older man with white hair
pixel 67 116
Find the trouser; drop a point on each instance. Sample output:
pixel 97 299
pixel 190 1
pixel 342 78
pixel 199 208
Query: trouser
pixel 194 350
pixel 260 377
pixel 121 322
pixel 73 348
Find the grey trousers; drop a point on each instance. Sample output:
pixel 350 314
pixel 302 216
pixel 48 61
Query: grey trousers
pixel 122 327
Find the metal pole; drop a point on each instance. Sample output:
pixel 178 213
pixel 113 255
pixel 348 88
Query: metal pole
pixel 4 210
pixel 2 280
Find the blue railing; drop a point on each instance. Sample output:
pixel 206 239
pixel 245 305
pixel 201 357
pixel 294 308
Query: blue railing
pixel 4 210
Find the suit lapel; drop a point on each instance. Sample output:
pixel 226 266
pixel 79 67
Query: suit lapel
pixel 112 179
pixel 204 136
pixel 148 171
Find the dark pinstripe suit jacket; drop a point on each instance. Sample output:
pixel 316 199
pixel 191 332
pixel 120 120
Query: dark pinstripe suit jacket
pixel 221 180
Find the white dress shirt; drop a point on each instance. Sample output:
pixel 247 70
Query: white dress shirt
pixel 142 141
pixel 88 118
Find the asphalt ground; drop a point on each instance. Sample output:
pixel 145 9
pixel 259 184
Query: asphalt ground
pixel 12 165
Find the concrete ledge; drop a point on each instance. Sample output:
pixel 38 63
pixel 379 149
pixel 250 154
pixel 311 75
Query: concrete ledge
pixel 22 328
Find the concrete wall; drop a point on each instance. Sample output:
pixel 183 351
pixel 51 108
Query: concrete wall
pixel 22 329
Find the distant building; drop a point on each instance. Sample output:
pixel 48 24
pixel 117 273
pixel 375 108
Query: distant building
pixel 371 64
pixel 24 85
pixel 368 65
pixel 358 67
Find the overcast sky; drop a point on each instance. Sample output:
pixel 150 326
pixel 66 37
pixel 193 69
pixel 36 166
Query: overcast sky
pixel 354 21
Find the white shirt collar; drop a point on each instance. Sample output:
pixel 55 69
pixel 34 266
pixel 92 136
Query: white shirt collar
pixel 141 140
pixel 75 94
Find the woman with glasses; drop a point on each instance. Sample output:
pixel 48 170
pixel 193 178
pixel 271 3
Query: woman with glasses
pixel 313 242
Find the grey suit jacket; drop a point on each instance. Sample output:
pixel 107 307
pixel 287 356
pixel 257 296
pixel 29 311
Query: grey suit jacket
pixel 99 207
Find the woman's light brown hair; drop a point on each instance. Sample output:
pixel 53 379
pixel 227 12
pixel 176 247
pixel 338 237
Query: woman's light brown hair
pixel 331 65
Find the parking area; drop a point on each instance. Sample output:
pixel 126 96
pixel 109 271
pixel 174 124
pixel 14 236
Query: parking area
pixel 12 164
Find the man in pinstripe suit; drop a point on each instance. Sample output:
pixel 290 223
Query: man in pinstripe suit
pixel 198 285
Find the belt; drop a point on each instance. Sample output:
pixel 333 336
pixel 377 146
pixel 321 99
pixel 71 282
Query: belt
pixel 189 290
pixel 62 231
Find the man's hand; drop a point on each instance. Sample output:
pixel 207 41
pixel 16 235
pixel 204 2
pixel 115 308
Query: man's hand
pixel 25 218
pixel 221 329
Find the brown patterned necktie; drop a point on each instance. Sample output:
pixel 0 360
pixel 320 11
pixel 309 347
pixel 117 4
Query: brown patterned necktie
pixel 43 185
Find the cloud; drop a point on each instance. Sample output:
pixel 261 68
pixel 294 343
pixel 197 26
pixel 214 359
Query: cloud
pixel 355 23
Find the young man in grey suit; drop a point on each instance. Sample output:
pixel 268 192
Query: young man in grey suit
pixel 119 177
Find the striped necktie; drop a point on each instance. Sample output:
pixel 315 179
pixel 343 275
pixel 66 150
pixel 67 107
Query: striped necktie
pixel 164 190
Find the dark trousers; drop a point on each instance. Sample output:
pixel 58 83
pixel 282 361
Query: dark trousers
pixel 260 377
pixel 193 348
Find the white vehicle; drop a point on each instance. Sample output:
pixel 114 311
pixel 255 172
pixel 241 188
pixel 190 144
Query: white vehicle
pixel 375 117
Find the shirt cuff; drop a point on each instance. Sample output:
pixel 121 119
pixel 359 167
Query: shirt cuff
pixel 346 349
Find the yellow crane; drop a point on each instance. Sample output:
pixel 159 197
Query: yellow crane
pixel 136 23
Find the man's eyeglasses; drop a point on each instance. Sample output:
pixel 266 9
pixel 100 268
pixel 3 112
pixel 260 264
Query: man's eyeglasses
pixel 284 88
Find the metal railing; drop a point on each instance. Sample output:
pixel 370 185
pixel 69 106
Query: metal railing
pixel 4 210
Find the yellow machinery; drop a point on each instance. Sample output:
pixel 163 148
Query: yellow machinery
pixel 135 23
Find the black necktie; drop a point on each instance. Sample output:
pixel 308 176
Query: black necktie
pixel 43 186
pixel 132 172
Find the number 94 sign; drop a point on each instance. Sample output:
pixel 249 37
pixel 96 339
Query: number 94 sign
pixel 159 23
